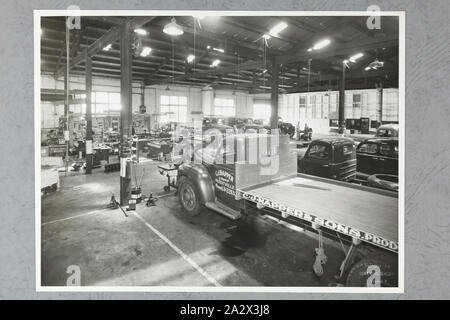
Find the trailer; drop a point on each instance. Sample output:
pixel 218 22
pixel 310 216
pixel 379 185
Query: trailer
pixel 261 176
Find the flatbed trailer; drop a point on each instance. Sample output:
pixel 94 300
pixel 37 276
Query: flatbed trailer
pixel 363 217
pixel 360 212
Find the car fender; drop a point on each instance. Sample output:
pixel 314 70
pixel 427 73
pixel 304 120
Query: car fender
pixel 200 177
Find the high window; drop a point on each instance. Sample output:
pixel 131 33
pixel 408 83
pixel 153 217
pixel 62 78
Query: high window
pixel 173 109
pixel 224 107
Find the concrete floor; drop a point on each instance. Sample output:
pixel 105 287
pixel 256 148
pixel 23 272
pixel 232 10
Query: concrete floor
pixel 161 246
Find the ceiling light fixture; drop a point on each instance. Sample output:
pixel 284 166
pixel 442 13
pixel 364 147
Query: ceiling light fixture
pixel 219 49
pixel 215 63
pixel 356 57
pixel 190 58
pixel 375 65
pixel 173 28
pixel 145 51
pixel 320 45
pixel 108 47
pixel 277 29
pixel 141 32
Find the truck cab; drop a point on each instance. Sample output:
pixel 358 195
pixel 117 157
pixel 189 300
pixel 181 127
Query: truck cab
pixel 333 158
pixel 216 170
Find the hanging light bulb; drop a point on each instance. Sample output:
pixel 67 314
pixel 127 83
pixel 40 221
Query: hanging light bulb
pixel 215 63
pixel 145 51
pixel 190 58
pixel 173 28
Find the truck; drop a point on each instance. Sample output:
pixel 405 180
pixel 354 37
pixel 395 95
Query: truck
pixel 333 158
pixel 257 173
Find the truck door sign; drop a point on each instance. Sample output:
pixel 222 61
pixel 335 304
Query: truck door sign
pixel 224 181
pixel 329 224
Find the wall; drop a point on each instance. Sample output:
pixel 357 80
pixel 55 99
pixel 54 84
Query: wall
pixel 320 107
pixel 242 101
pixel 50 112
pixel 200 101
pixel 390 105
pixel 153 100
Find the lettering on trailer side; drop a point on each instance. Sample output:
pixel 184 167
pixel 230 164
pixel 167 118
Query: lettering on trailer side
pixel 329 224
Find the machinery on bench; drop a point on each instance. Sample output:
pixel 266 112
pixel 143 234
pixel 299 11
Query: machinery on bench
pixel 267 183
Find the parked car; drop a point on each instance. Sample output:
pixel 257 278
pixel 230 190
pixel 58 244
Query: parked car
pixel 333 158
pixel 283 128
pixel 377 156
pixel 287 128
pixel 387 131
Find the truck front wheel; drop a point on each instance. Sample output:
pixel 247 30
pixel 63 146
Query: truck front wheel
pixel 188 196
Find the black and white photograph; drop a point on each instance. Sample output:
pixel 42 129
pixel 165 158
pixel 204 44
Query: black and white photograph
pixel 220 150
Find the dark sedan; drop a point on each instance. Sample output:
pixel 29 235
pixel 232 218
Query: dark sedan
pixel 377 156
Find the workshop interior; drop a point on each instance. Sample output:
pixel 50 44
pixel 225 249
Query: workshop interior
pixel 219 150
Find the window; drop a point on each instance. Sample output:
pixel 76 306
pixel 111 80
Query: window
pixel 105 102
pixel 114 101
pixel 356 100
pixel 319 152
pixel 371 148
pixel 348 153
pixel 262 111
pixel 348 149
pixel 333 106
pixel 173 109
pixel 313 106
pixel 387 133
pixel 334 122
pixel 302 102
pixel 389 150
pixel 224 107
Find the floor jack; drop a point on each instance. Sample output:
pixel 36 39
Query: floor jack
pixel 151 201
pixel 114 204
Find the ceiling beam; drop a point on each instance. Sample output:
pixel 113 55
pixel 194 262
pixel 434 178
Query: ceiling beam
pixel 157 69
pixel 348 86
pixel 215 71
pixel 349 76
pixel 111 36
pixel 337 50
pixel 260 32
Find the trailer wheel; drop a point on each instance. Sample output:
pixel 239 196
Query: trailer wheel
pixel 373 272
pixel 188 196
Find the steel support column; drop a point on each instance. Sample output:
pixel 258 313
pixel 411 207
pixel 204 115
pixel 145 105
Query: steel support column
pixel 342 100
pixel 88 144
pixel 126 60
pixel 274 95
pixel 380 102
